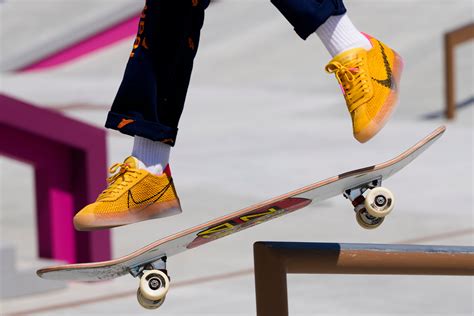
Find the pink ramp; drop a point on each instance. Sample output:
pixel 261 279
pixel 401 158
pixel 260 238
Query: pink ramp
pixel 69 158
pixel 107 37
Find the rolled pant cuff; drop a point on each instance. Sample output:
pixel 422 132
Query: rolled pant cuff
pixel 134 126
pixel 307 15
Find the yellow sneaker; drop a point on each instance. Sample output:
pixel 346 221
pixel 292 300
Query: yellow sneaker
pixel 133 195
pixel 369 81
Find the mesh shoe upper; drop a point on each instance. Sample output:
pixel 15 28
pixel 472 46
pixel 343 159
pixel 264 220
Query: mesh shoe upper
pixel 369 80
pixel 133 194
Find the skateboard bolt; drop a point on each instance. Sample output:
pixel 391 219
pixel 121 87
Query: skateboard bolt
pixel 380 200
pixel 154 283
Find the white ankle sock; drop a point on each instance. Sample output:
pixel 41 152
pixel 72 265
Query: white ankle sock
pixel 154 155
pixel 338 34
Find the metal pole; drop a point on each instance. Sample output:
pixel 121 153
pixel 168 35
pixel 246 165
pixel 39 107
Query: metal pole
pixel 273 260
pixel 451 40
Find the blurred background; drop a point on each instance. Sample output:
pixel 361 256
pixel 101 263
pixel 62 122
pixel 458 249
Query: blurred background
pixel 262 118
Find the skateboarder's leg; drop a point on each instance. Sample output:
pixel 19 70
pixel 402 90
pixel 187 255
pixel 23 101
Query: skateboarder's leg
pixel 357 60
pixel 148 106
pixel 154 86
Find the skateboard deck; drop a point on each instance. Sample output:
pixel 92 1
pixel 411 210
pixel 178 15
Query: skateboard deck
pixel 356 185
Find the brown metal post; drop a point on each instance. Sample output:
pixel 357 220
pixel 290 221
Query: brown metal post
pixel 451 40
pixel 273 260
pixel 270 281
pixel 449 77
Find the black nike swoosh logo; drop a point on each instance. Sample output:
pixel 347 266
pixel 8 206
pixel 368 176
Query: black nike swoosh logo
pixel 389 82
pixel 152 199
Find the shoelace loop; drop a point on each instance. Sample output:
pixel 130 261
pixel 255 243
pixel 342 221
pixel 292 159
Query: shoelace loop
pixel 125 172
pixel 343 73
pixel 352 79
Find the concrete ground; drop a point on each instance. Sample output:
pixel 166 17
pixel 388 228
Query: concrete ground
pixel 263 118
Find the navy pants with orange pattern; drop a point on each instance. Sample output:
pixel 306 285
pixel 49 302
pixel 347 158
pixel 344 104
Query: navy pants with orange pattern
pixel 151 97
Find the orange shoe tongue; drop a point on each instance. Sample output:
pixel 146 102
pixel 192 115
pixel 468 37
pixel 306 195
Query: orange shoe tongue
pixel 349 55
pixel 132 162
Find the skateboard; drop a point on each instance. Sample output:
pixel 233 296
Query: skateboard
pixel 362 187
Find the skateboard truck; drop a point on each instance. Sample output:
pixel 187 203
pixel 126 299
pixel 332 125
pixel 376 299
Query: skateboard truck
pixel 154 283
pixel 159 264
pixel 371 202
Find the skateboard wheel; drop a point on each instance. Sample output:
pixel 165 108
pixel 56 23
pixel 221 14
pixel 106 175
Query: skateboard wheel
pixel 148 304
pixel 379 202
pixel 154 284
pixel 367 221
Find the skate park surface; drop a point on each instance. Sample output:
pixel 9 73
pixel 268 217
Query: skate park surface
pixel 262 118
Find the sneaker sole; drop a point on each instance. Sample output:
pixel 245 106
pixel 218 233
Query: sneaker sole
pixel 158 210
